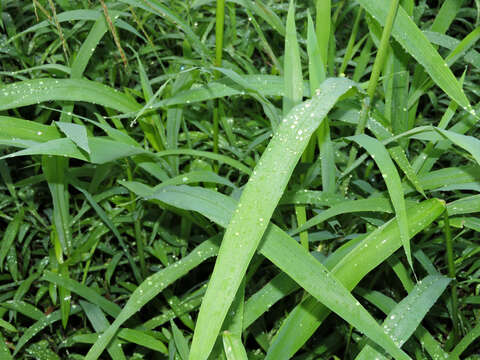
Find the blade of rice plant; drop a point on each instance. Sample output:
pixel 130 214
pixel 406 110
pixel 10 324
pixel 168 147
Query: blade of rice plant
pixel 180 342
pixel 4 352
pixel 39 326
pixel 466 205
pixel 386 305
pixel 416 44
pixel 292 67
pixel 27 130
pixel 401 322
pixel 469 143
pixel 84 291
pixel 30 92
pixel 394 185
pixel 302 322
pixel 373 204
pixel 100 323
pixel 232 329
pixel 260 197
pixel 10 234
pixel 468 339
pixel 143 339
pixel 76 133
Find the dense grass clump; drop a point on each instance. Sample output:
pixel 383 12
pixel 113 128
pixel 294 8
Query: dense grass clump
pixel 243 179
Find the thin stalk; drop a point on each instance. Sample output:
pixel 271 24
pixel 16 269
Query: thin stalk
pixel 351 43
pixel 373 82
pixel 451 274
pixel 220 19
pixel 137 226
pixel 219 29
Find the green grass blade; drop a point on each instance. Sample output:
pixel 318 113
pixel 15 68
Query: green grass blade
pixel 469 143
pixel 394 185
pixel 180 342
pixel 401 322
pixel 255 208
pixel 30 92
pixel 292 67
pixel 143 339
pixel 416 44
pixel 374 204
pixel 466 205
pixel 386 305
pixel 468 339
pixel 232 333
pixel 4 352
pixel 9 236
pixel 100 323
pixel 76 133
pixel 87 49
pixel 39 326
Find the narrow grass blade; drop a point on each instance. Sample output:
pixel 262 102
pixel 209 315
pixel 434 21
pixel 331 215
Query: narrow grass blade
pixel 84 291
pixel 469 143
pixel 143 339
pixel 4 352
pixel 373 204
pixel 23 308
pixel 232 333
pixel 416 44
pixel 468 339
pixel 292 67
pixel 100 323
pixel 386 305
pixel 180 342
pixel 401 322
pixel 466 205
pixel 76 133
pixel 7 326
pixel 31 92
pixel 39 326
pixel 394 185
pixel 255 208
pixel 9 236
